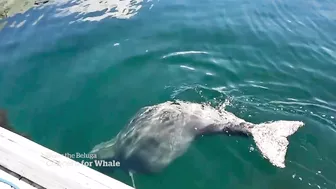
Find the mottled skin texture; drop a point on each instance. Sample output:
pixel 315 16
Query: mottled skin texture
pixel 159 134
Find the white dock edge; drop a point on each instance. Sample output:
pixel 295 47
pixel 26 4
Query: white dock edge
pixel 41 167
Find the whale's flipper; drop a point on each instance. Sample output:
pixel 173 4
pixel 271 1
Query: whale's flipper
pixel 132 177
pixel 271 139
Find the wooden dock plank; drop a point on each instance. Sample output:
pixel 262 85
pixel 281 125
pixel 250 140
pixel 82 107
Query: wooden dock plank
pixel 48 168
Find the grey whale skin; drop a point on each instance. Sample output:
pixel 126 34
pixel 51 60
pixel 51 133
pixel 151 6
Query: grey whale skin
pixel 158 134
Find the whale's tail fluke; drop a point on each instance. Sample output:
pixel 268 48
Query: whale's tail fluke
pixel 271 139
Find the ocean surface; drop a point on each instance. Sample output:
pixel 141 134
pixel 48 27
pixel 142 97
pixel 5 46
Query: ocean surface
pixel 73 73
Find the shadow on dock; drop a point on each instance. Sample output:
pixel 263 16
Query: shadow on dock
pixel 4 123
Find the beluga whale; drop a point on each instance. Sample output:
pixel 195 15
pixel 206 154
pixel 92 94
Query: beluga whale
pixel 159 134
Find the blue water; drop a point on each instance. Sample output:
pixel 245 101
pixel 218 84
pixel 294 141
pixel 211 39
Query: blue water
pixel 72 84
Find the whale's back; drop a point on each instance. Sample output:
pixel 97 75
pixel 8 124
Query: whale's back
pixel 155 136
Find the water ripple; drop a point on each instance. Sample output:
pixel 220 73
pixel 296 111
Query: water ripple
pixel 268 59
pixel 91 10
pixel 183 53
